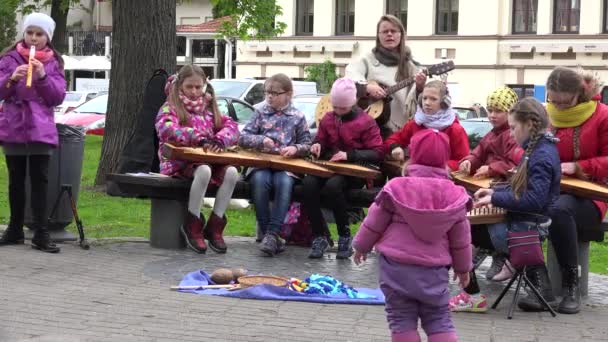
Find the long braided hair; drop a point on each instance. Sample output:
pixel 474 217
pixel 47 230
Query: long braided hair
pixel 524 111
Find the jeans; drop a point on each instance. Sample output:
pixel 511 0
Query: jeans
pixel 263 182
pixel 498 232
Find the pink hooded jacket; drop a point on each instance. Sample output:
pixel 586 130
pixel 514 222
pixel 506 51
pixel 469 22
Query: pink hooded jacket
pixel 420 220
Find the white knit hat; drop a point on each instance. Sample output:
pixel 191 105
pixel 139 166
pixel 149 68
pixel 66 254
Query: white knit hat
pixel 41 20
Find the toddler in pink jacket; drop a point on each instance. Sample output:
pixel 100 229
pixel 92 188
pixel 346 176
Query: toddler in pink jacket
pixel 419 226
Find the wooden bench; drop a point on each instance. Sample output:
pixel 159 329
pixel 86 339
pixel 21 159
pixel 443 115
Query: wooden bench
pixel 555 273
pixel 169 202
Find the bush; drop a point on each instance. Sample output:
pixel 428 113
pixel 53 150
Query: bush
pixel 324 74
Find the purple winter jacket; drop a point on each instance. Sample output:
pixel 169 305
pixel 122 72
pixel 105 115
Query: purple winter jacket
pixel 420 220
pixel 27 113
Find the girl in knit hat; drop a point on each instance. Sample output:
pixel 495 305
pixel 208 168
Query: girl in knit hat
pixel 346 134
pixel 419 227
pixel 492 158
pixel 27 127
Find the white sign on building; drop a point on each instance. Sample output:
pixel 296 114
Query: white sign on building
pixel 92 84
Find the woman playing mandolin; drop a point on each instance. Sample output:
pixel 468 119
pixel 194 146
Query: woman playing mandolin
pixel 388 63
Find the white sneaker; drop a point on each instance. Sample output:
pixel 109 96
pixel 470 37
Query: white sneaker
pixel 505 273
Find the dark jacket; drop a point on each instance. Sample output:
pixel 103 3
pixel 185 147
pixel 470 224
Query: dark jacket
pixel 355 133
pixel 542 191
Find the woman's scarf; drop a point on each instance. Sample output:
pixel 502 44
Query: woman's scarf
pixel 386 56
pixel 196 106
pixel 43 55
pixel 571 117
pixel 439 121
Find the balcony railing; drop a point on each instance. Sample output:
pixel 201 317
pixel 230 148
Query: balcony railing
pixel 87 43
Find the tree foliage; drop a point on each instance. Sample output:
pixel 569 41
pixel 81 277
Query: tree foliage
pixel 251 19
pixel 324 74
pixel 8 21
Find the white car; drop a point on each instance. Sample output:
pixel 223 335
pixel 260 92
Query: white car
pixel 72 100
pixel 252 91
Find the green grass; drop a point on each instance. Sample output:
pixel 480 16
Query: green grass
pixel 105 217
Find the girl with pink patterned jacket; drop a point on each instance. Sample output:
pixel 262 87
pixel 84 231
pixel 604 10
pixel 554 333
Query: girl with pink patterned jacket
pixel 190 117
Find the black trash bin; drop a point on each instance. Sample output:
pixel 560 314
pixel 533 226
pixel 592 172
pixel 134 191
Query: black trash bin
pixel 65 168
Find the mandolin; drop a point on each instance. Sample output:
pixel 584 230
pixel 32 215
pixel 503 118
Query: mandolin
pixel 380 109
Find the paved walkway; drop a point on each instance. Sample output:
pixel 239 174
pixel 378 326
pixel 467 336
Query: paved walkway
pixel 119 291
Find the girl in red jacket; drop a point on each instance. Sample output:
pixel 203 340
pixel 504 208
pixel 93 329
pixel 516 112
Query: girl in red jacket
pixel 345 134
pixel 434 112
pixel 581 124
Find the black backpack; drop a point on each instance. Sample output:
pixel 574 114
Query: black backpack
pixel 141 151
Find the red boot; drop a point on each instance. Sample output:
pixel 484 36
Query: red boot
pixel 214 233
pixel 192 231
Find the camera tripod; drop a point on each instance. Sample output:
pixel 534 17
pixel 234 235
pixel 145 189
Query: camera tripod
pixel 67 188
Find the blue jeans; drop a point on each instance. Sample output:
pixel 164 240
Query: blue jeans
pixel 263 182
pixel 498 232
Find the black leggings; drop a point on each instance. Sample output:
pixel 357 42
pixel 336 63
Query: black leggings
pixel 573 219
pixel 39 179
pixel 333 191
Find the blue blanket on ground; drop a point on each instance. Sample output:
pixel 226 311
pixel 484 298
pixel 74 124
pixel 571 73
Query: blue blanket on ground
pixel 269 292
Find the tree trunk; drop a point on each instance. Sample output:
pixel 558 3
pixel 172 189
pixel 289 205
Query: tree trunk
pixel 61 21
pixel 143 40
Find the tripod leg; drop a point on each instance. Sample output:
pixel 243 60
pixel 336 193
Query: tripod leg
pixel 539 296
pixel 519 277
pixel 504 291
pixel 56 204
pixel 83 241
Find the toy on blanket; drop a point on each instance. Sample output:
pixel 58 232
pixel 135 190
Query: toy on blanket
pixel 297 285
pixel 328 285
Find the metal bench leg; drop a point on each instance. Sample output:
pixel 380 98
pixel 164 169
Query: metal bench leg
pixel 555 273
pixel 166 218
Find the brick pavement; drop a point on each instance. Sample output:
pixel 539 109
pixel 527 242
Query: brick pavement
pixel 119 291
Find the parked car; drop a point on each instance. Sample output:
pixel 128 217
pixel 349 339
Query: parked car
pixel 239 111
pixel 470 112
pixel 252 91
pixel 72 100
pixel 91 115
pixel 476 129
pixel 307 104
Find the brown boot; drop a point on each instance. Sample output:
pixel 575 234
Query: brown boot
pixel 214 232
pixel 192 231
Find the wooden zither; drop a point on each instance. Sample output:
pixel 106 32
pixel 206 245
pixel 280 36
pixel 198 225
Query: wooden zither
pixel 568 185
pixel 265 160
pixel 486 215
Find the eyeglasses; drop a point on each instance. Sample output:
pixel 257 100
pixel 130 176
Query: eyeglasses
pixel 562 103
pixel 273 93
pixel 392 32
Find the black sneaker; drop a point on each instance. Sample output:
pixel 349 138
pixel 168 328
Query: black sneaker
pixel 270 244
pixel 42 241
pixel 319 245
pixel 345 249
pixel 12 236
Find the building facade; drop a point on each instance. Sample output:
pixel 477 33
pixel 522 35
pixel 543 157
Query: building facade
pixel 492 42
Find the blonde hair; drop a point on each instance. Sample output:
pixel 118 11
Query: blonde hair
pixel 186 71
pixel 405 53
pixel 528 110
pixel 586 84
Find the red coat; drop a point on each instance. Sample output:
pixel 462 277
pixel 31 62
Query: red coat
pixel 496 150
pixel 459 141
pixel 593 145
